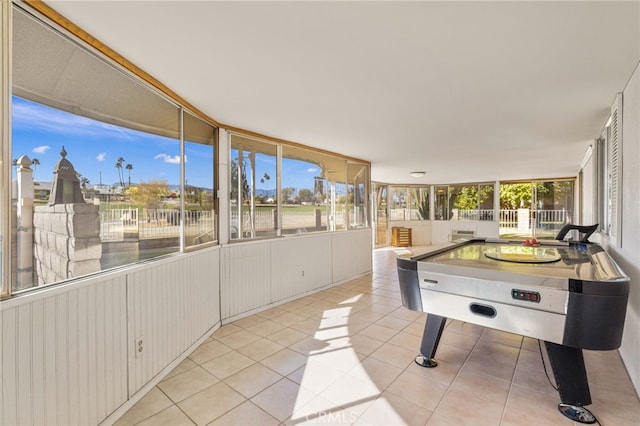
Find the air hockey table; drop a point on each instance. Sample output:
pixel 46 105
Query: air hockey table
pixel 570 295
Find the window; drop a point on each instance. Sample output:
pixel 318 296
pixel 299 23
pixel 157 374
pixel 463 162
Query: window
pixel 464 202
pixel 111 146
pixel 311 191
pixel 609 191
pixel 199 187
pixel 357 205
pixel 536 209
pixel 254 210
pixel 305 175
pixel 409 203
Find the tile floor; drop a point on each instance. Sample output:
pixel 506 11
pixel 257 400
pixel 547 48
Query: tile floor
pixel 346 356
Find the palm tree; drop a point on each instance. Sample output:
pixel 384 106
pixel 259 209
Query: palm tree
pixel 129 167
pixel 119 167
pixel 35 162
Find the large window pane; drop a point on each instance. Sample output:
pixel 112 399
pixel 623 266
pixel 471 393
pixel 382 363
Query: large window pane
pixel 536 209
pixel 119 143
pixel 306 206
pixel 357 201
pixel 441 203
pixel 420 203
pixel 254 210
pixel 199 187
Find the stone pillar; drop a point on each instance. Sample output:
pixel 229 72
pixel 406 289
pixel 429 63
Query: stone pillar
pixel 24 261
pixel 67 241
pixel 67 231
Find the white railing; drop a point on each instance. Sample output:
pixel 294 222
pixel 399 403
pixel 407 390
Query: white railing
pixel 116 224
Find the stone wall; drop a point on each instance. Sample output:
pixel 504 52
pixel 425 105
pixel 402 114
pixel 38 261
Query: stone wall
pixel 66 241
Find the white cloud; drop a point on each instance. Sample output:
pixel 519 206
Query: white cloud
pixel 312 170
pixel 42 149
pixel 102 156
pixel 169 159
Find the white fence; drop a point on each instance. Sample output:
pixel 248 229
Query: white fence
pixel 508 218
pixel 115 224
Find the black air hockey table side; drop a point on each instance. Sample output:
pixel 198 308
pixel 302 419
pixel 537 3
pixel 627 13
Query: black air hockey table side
pixel 597 294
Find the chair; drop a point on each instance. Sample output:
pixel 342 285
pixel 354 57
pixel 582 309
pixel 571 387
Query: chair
pixel 586 231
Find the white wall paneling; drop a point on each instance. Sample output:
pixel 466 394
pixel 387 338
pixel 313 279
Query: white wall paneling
pixel 64 355
pixel 68 351
pixel 259 274
pixel 171 304
pixel 299 265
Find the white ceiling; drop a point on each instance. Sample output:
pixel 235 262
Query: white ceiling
pixel 467 91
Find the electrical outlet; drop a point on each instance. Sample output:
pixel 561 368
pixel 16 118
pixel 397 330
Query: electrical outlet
pixel 139 347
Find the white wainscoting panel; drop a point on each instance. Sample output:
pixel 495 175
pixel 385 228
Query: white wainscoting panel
pixel 351 254
pixel 64 355
pixel 245 283
pixel 300 265
pixel 171 305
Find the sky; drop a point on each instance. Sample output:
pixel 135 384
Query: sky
pixel 93 147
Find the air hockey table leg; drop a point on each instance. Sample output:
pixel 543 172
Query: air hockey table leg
pixel 571 378
pixel 430 339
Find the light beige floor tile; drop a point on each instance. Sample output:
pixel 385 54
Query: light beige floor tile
pixel 405 314
pixel 287 336
pixel 365 345
pixel 532 360
pixel 265 328
pixel 285 362
pixel 391 410
pixel 416 328
pixel 316 376
pixel 249 321
pixel 466 408
pixel 462 341
pixel 309 346
pixel 406 340
pixel 502 337
pixel 246 414
pixel 343 359
pixel 225 330
pixel 379 332
pixel 394 355
pixel 208 351
pixel 307 326
pixel 331 333
pixel 444 373
pixel 608 403
pixel 485 364
pixel 289 319
pixel 188 383
pixel 260 349
pixel 252 380
pixel 274 312
pixel 451 355
pixel 228 364
pixel 281 399
pixel 439 418
pixel 393 323
pixel 464 328
pixel 529 408
pixel 211 403
pixel 185 365
pixel 418 389
pixel 350 389
pixel 533 379
pixel 321 411
pixel 152 403
pixel 491 388
pixel 379 373
pixel 239 339
pixel 172 416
